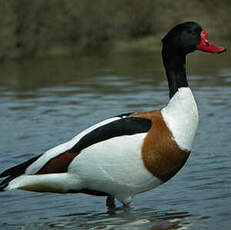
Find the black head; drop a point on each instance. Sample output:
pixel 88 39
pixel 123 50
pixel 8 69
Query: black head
pixel 177 43
pixel 188 37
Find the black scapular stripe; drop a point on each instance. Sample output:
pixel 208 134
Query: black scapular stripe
pixel 124 126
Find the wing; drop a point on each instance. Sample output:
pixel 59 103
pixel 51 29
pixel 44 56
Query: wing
pixel 57 160
pixel 119 127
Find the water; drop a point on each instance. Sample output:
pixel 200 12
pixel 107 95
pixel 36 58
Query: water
pixel 45 102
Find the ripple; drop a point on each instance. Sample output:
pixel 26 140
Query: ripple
pixel 39 113
pixel 120 219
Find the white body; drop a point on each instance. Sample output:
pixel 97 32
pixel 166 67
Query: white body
pixel 114 166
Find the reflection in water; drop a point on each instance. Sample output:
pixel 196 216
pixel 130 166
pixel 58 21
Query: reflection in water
pixel 45 102
pixel 33 74
pixel 120 219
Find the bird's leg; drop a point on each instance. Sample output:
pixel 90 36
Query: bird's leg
pixel 126 205
pixel 110 202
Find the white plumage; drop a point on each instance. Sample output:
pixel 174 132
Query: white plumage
pixel 115 166
pixel 181 116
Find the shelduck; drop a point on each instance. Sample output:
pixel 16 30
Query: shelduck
pixel 129 153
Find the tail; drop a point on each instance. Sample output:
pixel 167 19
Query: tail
pixel 14 172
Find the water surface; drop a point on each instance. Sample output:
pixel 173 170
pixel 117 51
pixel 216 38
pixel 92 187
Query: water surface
pixel 46 102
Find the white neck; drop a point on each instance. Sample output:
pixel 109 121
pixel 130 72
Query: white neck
pixel 181 117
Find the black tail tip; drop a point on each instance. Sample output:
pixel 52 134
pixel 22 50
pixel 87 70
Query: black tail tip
pixel 2 187
pixel 3 184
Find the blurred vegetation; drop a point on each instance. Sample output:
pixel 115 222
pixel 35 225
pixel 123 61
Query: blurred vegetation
pixel 57 27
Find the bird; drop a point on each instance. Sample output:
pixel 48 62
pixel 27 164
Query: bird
pixel 129 153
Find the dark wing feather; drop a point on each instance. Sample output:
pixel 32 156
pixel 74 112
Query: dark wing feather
pixel 121 127
pixel 15 171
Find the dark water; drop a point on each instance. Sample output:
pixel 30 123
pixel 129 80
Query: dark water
pixel 46 102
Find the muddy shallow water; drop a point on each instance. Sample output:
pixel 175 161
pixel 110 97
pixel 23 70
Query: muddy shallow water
pixel 46 102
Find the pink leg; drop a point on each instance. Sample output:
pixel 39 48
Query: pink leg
pixel 127 205
pixel 110 202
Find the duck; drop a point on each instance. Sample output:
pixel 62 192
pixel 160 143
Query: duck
pixel 129 153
